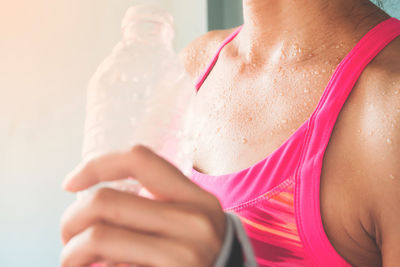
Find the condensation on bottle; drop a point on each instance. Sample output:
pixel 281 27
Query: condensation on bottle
pixel 140 94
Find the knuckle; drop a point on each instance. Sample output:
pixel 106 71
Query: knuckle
pixel 139 150
pixel 177 257
pixel 202 224
pixel 100 197
pixel 191 256
pixel 208 228
pixel 64 231
pixel 64 259
pixel 96 234
pixel 65 222
pixel 162 260
pixel 91 166
pixel 167 254
pixel 140 155
pixel 217 216
pixel 214 202
pixel 67 256
pixel 178 254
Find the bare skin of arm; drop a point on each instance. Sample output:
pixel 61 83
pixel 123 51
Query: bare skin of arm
pixel 363 168
pixel 360 182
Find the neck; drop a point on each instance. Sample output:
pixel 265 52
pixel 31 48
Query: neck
pixel 287 30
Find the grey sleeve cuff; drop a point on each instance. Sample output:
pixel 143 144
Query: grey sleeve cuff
pixel 234 230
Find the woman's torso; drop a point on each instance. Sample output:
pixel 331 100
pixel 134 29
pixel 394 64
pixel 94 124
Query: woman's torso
pixel 251 109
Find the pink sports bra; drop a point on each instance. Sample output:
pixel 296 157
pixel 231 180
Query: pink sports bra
pixel 277 199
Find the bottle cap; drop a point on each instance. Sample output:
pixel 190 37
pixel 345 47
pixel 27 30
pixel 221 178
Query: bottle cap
pixel 147 12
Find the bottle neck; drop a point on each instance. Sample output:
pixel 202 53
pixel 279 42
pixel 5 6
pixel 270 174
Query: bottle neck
pixel 149 32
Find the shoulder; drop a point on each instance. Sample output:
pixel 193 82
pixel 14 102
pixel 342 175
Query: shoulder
pixel 373 108
pixel 200 51
pixel 379 100
pixel 378 146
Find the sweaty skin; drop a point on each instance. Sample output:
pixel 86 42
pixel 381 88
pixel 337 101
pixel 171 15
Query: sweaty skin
pixel 268 81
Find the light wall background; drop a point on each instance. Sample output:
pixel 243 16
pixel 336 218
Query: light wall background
pixel 48 51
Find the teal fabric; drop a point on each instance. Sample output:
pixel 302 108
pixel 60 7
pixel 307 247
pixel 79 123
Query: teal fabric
pixel 392 7
pixel 224 14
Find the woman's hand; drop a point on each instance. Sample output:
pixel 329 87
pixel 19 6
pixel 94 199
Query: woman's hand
pixel 183 226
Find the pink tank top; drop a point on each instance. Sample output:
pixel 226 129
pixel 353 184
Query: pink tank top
pixel 277 199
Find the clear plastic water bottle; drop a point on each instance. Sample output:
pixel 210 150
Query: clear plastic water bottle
pixel 141 95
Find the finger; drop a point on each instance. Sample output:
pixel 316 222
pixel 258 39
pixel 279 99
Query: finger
pixel 124 210
pixel 156 174
pixel 106 243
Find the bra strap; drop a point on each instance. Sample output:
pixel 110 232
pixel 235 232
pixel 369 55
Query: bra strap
pixel 211 65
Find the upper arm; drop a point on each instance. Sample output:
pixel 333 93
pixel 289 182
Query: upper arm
pixel 382 162
pixel 387 195
pixel 387 208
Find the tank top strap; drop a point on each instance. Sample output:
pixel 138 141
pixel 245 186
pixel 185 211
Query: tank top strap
pixel 211 65
pixel 350 69
pixel 319 130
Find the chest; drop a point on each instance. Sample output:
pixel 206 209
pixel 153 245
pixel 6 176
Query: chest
pixel 243 119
